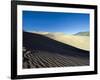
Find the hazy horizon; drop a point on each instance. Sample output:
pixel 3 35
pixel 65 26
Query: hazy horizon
pixel 54 32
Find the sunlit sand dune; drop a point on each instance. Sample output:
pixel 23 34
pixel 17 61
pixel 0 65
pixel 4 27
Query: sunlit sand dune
pixel 78 41
pixel 81 42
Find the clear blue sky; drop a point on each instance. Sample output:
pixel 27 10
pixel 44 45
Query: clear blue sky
pixel 68 23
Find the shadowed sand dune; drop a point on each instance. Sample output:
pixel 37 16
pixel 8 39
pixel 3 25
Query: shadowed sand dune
pixel 40 51
pixel 78 40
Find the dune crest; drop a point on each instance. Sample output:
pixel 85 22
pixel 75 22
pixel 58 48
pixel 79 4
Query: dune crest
pixel 82 42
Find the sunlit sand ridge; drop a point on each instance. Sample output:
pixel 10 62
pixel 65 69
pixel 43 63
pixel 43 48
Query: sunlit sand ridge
pixel 81 42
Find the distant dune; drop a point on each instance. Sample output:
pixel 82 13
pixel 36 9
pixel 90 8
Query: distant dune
pixel 82 42
pixel 83 34
pixel 40 51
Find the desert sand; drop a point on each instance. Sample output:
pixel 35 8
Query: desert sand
pixel 81 42
pixel 40 51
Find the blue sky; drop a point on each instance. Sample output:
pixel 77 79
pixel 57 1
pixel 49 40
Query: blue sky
pixel 69 23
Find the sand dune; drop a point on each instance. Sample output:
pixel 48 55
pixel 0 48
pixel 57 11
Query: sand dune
pixel 82 42
pixel 40 51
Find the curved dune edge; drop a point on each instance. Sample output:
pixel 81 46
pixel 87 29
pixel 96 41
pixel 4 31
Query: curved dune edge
pixel 81 42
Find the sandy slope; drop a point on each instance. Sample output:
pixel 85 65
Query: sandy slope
pixel 40 51
pixel 82 42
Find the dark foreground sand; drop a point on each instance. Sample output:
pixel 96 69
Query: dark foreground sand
pixel 41 52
